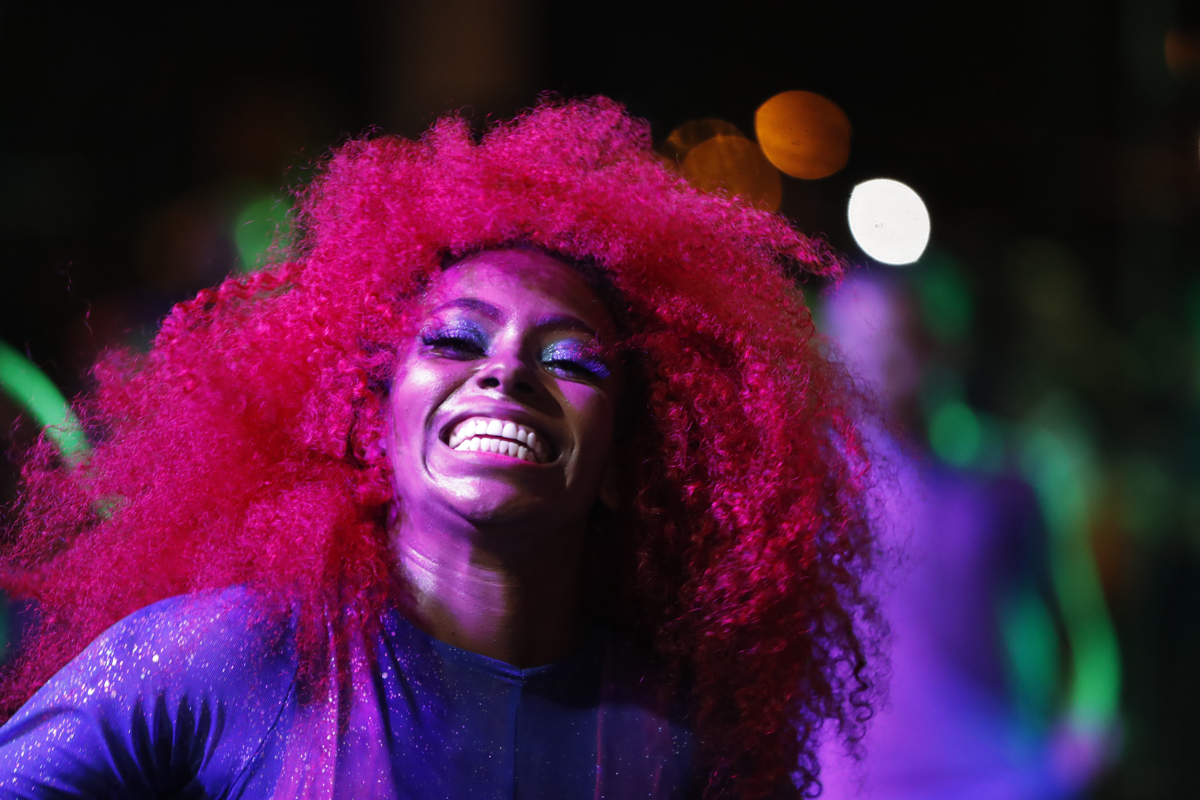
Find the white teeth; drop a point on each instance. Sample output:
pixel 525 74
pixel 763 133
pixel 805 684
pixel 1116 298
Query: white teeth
pixel 501 436
pixel 503 447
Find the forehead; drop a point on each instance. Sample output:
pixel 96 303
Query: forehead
pixel 520 282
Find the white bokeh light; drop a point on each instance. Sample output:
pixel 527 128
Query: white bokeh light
pixel 889 221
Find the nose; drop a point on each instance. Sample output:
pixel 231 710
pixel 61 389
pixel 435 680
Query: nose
pixel 508 373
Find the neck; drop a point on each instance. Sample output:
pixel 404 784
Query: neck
pixel 517 605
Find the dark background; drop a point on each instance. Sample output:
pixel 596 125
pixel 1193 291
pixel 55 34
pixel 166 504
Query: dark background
pixel 133 135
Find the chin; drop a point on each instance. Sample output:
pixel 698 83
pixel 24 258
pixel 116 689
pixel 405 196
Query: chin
pixel 492 511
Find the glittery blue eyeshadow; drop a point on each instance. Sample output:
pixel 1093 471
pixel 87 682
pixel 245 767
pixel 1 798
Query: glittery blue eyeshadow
pixel 575 356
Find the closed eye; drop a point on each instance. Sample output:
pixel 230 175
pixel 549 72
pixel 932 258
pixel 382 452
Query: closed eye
pixel 455 343
pixel 570 367
pixel 575 362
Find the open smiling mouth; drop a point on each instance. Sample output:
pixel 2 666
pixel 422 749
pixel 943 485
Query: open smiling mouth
pixel 500 436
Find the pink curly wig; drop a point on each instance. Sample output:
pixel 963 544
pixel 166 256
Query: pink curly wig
pixel 242 449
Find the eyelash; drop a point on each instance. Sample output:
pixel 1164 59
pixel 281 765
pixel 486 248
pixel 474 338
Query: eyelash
pixel 464 341
pixel 576 362
pixel 467 343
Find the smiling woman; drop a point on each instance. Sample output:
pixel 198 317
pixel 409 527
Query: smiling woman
pixel 502 415
pixel 525 477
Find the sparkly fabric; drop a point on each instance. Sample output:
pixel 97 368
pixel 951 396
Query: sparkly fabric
pixel 196 698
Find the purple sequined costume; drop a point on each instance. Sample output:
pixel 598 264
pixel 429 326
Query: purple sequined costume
pixel 196 698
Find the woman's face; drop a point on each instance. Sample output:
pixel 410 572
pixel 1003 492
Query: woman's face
pixel 502 409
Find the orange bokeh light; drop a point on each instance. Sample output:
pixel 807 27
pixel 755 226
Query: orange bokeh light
pixel 697 131
pixel 804 134
pixel 1182 52
pixel 736 165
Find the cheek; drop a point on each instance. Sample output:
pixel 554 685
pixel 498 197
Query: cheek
pixel 416 394
pixel 593 414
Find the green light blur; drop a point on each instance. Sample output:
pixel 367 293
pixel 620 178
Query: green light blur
pixel 1056 457
pixel 29 388
pixel 964 437
pixel 992 457
pixel 1058 460
pixel 955 434
pixel 815 303
pixel 263 223
pixel 1032 645
pixel 946 307
pixel 958 434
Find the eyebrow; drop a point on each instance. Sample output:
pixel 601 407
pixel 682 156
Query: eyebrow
pixel 472 304
pixel 563 322
pixel 553 322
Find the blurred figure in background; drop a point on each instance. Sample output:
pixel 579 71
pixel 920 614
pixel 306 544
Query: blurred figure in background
pixel 975 697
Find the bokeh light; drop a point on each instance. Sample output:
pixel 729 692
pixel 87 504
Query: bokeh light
pixel 804 134
pixel 889 221
pixel 263 223
pixel 1181 49
pixel 1034 653
pixel 945 299
pixel 735 165
pixel 1058 459
pixel 955 433
pixel 687 136
pixel 29 388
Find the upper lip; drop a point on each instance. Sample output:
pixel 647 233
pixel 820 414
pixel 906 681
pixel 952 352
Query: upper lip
pixel 509 413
